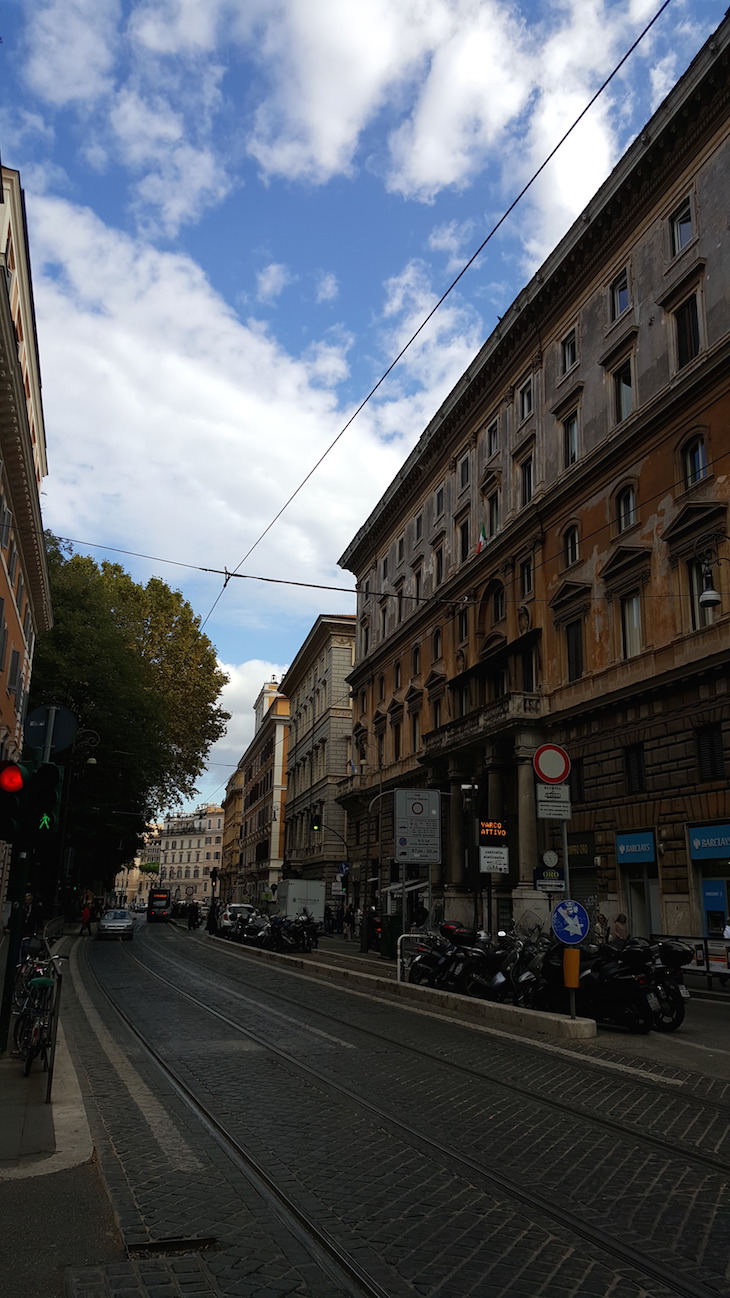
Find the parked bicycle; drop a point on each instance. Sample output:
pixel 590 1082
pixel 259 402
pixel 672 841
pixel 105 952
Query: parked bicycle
pixel 34 1030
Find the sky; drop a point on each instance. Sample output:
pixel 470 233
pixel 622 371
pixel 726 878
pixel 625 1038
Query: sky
pixel 239 211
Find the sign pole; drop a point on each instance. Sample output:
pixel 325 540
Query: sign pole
pixel 566 867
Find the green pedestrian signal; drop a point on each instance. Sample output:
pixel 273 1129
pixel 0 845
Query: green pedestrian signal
pixel 44 801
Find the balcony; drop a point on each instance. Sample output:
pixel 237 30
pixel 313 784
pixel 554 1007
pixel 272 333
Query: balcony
pixel 510 710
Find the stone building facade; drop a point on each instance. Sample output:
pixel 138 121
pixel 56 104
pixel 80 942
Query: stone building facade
pixel 263 800
pixel 320 753
pixel 190 846
pixel 550 565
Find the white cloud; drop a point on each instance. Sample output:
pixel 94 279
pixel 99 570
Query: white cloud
pixel 327 287
pixel 663 76
pixel 72 48
pixel 271 281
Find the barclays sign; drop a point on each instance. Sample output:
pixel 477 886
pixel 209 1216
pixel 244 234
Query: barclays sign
pixel 636 848
pixel 709 842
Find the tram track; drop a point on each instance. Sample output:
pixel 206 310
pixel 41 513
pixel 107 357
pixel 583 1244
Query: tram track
pixel 680 1277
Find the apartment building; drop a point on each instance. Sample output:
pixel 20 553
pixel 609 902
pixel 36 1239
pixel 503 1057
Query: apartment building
pixel 320 753
pixel 25 601
pixel 551 563
pixel 263 801
pixel 189 846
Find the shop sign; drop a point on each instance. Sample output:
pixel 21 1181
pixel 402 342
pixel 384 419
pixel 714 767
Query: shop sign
pixel 549 878
pixel 636 848
pixel 708 842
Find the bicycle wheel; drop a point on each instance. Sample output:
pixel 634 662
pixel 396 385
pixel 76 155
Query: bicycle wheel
pixel 20 1033
pixel 34 1039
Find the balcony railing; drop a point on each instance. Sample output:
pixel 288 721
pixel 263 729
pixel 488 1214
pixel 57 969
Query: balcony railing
pixel 493 717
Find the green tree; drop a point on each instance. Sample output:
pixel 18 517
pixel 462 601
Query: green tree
pixel 132 664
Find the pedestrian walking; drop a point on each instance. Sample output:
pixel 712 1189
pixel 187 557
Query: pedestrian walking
pixel 328 921
pixel 340 918
pixel 349 924
pixel 620 929
pixel 726 938
pixel 193 917
pixel 85 919
pixel 32 922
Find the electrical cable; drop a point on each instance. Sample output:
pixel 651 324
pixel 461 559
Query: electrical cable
pixel 528 185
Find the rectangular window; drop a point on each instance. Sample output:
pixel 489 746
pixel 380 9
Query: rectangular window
pixel 576 782
pixel 620 295
pixel 464 540
pixel 14 672
pixel 493 438
pixel 401 549
pixel 493 513
pixel 464 472
pixel 688 331
pixel 680 227
pixel 438 565
pixel 526 576
pixel 570 440
pixel 436 713
pixel 439 502
pixel 383 622
pixel 526 480
pixel 574 647
pixel 569 351
pixel 631 625
pixel 710 752
pixel 634 768
pixel 525 400
pixel 419 526
pixel 463 624
pixel 623 392
pixel 702 614
pixel 385 568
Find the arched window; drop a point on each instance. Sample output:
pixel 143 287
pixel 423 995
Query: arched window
pixel 416 660
pixel 396 676
pixel 625 508
pixel 498 604
pixel 571 545
pixel 695 461
pixel 381 688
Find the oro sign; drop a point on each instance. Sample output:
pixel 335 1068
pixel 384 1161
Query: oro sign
pixel 551 763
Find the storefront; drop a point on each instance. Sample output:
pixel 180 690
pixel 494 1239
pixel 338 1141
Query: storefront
pixel 636 856
pixel 709 852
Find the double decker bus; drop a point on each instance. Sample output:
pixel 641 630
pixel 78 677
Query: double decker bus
pixel 159 906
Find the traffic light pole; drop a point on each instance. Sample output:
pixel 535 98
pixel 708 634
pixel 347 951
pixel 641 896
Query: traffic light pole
pixel 16 888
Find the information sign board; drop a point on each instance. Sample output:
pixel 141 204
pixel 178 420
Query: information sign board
pixel 549 878
pixel 553 802
pixel 418 825
pixel 494 860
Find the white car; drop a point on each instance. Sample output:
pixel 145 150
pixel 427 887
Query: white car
pixel 228 916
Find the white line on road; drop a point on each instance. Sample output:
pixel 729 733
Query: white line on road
pixel 162 1128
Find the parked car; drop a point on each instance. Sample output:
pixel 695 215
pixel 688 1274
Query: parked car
pixel 229 915
pixel 116 923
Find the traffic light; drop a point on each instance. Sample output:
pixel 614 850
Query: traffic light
pixel 214 875
pixel 14 778
pixel 43 803
pixel 316 821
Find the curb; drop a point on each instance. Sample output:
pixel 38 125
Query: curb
pixel 486 1013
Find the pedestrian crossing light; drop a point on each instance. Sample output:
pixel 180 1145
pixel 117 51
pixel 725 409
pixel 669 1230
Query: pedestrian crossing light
pixel 44 800
pixel 14 779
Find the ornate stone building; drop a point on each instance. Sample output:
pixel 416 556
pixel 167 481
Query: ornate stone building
pixel 189 847
pixel 320 744
pixel 263 800
pixel 551 562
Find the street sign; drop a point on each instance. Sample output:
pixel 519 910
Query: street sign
pixel 553 802
pixel 189 892
pixel 570 922
pixel 549 878
pixel 494 860
pixel 551 763
pixel 418 825
pixel 343 867
pixel 39 721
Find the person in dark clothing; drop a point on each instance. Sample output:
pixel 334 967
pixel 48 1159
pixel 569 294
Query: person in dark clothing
pixel 85 919
pixel 328 921
pixel 32 922
pixel 340 918
pixel 193 916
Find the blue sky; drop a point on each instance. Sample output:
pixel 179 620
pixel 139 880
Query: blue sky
pixel 239 210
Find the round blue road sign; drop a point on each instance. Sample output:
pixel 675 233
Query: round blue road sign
pixel 570 922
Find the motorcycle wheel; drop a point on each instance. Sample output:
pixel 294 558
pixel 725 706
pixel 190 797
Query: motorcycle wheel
pixel 420 974
pixel 475 985
pixel 670 1015
pixel 642 1019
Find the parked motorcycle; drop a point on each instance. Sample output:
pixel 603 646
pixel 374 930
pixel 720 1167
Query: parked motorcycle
pixel 611 989
pixel 661 963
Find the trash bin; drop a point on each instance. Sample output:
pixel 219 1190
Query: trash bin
pixel 391 928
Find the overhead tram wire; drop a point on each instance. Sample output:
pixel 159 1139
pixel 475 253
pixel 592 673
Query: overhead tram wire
pixel 508 211
pixel 377 594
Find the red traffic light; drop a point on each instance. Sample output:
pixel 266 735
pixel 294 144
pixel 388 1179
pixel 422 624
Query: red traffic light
pixel 11 778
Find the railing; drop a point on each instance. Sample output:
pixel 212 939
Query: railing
pixel 405 949
pixel 711 954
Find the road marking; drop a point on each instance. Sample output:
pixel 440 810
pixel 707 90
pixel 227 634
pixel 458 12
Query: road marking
pixel 162 1128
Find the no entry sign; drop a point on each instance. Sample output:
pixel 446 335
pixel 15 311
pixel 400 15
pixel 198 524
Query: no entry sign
pixel 552 764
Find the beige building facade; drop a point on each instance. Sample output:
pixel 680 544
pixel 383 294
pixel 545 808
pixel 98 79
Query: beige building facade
pixel 257 795
pixel 190 845
pixel 551 563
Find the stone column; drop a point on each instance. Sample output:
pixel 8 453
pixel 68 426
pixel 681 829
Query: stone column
pixel 526 814
pixel 455 873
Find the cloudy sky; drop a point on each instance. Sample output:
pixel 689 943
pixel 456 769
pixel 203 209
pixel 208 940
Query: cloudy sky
pixel 239 210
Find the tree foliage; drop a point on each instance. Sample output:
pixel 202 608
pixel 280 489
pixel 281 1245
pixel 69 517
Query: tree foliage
pixel 132 664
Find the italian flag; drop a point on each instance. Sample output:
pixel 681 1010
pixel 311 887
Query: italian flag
pixel 481 543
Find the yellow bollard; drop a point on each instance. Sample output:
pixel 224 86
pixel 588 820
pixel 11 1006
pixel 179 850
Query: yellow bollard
pixel 571 966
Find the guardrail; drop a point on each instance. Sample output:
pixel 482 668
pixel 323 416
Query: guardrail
pixel 405 949
pixel 711 954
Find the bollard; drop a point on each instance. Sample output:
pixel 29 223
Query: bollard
pixel 571 974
